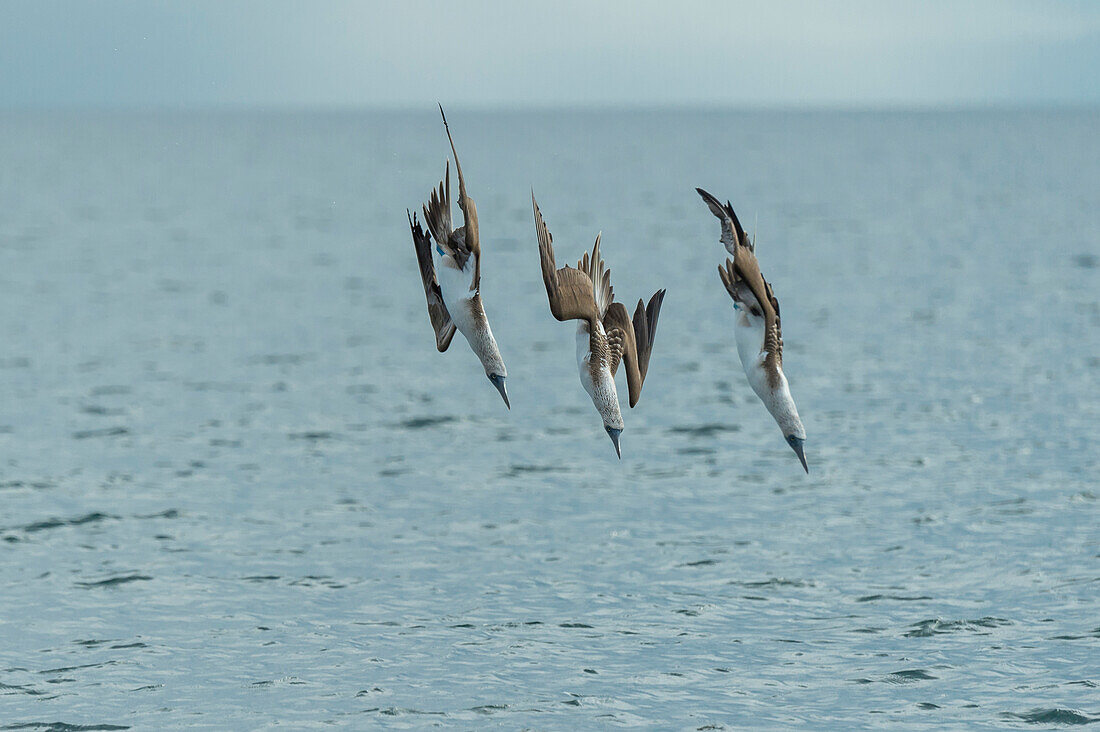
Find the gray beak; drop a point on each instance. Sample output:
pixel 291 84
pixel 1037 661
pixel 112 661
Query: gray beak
pixel 796 445
pixel 498 382
pixel 614 434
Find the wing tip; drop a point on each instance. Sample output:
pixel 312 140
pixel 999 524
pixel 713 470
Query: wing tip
pixel 721 211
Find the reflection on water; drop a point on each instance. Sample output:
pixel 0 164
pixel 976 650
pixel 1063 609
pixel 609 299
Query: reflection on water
pixel 241 487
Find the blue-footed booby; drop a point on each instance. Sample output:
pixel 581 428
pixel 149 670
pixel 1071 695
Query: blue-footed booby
pixel 757 327
pixel 451 272
pixel 606 336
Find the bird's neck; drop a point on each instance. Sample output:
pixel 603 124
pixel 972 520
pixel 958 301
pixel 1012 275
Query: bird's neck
pixel 781 405
pixel 474 325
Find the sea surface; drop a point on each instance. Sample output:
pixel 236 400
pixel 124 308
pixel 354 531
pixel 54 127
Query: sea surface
pixel 240 489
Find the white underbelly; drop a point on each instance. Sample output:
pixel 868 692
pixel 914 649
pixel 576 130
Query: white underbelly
pixel 454 285
pixel 750 342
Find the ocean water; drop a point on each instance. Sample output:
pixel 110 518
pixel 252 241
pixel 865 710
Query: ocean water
pixel 240 489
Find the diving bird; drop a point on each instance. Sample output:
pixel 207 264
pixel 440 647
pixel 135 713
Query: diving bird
pixel 757 327
pixel 452 274
pixel 606 336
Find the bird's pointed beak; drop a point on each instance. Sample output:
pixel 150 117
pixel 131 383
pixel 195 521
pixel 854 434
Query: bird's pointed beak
pixel 796 445
pixel 498 382
pixel 614 434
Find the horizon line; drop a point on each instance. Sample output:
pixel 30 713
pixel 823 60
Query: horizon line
pixel 748 108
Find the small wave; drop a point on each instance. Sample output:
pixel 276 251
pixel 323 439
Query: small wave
pixel 38 484
pixel 518 470
pixel 63 727
pixel 313 436
pixel 115 581
pixel 420 423
pixel 6 689
pixel 170 513
pixel 54 523
pixel 935 626
pixel 704 430
pixel 908 676
pixel 284 681
pixel 66 669
pixel 101 411
pixel 775 582
pixel 397 712
pixel 1051 716
pixel 102 432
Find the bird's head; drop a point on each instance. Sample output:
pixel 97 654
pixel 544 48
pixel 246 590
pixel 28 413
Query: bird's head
pixel 498 381
pixel 607 402
pixel 485 346
pixel 613 433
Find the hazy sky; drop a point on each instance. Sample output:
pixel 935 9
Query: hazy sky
pixel 512 53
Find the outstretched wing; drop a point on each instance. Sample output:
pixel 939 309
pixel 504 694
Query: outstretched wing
pixel 568 290
pixel 468 236
pixel 637 339
pixel 437 310
pixel 732 232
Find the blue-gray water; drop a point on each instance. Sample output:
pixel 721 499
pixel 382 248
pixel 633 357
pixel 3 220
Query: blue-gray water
pixel 240 488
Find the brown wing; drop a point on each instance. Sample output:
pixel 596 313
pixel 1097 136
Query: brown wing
pixel 470 238
pixel 437 311
pixel 732 231
pixel 773 337
pixel 637 339
pixel 645 330
pixel 569 290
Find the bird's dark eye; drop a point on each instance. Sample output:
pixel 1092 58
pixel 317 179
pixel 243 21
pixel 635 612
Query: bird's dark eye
pixel 755 311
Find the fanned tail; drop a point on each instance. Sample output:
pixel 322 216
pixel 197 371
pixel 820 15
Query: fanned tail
pixel 600 275
pixel 437 214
